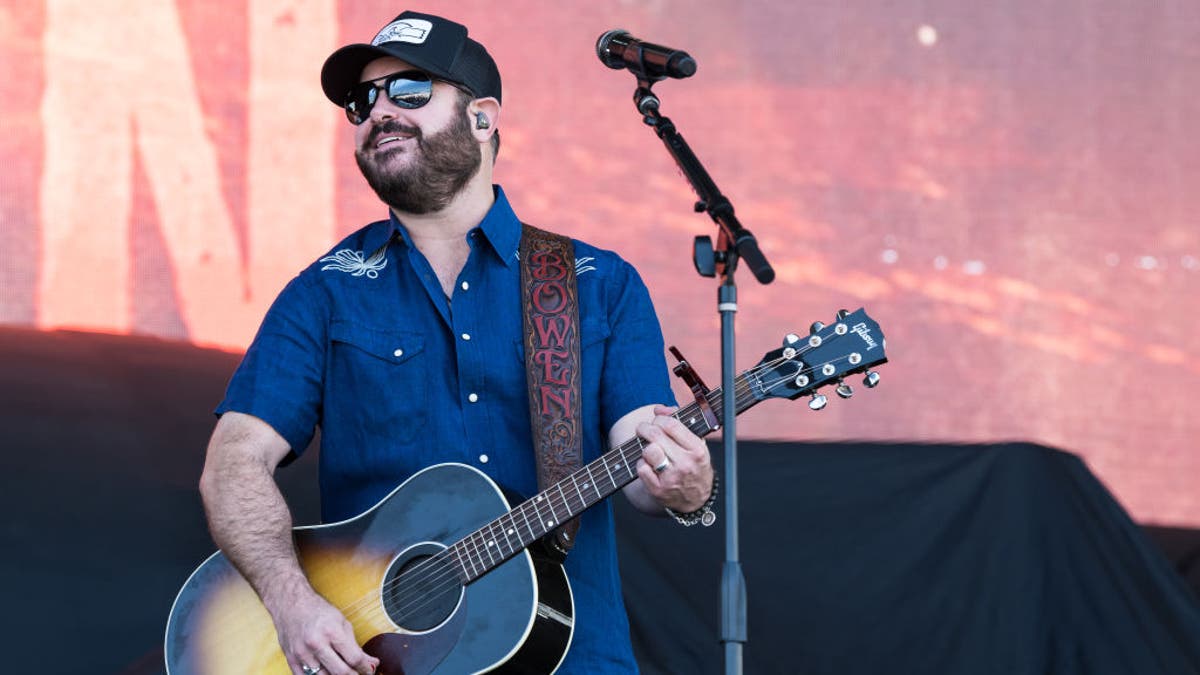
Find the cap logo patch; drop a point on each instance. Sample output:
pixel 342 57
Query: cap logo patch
pixel 414 31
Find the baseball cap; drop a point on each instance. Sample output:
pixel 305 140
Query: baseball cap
pixel 435 45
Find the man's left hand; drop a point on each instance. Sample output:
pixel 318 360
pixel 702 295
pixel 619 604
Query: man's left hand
pixel 675 468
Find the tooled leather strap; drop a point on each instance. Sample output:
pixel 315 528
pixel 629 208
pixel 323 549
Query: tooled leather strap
pixel 552 366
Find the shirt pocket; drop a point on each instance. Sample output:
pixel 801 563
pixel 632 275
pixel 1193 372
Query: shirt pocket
pixel 378 381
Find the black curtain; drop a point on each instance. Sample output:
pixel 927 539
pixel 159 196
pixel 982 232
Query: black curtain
pixel 870 558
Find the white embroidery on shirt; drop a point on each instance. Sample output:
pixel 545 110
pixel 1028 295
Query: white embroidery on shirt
pixel 581 265
pixel 352 262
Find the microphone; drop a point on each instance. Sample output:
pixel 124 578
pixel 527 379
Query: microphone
pixel 618 49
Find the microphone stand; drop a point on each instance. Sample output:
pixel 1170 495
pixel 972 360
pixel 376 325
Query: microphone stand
pixel 734 242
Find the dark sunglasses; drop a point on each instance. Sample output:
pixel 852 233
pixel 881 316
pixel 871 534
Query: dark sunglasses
pixel 409 89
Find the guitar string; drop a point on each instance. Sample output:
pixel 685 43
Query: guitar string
pixel 412 594
pixel 629 452
pixel 443 559
pixel 369 607
pixel 411 600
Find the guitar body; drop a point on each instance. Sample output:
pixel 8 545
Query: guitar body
pixel 519 617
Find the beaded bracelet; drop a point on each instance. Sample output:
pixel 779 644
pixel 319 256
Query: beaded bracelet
pixel 703 515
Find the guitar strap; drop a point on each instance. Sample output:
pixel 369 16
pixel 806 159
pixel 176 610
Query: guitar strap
pixel 552 362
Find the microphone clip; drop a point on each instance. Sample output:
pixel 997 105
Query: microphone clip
pixel 646 101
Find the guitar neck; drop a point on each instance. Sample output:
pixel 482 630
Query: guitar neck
pixel 499 540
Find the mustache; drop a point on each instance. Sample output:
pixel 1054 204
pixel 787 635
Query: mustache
pixel 390 127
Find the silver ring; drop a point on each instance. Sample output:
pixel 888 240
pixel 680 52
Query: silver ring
pixel 662 466
pixel 309 670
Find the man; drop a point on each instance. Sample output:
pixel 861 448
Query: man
pixel 404 346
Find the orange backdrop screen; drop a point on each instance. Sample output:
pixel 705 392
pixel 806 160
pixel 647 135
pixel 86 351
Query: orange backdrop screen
pixel 1008 188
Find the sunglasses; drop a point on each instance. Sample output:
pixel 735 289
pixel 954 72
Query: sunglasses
pixel 408 89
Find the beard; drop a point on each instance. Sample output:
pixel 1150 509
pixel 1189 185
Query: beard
pixel 445 162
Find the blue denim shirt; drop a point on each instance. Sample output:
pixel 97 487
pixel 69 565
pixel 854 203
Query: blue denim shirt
pixel 365 345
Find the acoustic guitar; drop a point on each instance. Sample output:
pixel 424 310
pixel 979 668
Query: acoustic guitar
pixel 440 576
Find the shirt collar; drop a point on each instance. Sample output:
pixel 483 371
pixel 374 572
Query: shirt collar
pixel 500 227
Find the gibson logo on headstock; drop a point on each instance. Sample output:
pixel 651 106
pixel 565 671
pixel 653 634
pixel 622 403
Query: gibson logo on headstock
pixel 865 334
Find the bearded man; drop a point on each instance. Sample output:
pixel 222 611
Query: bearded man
pixel 404 345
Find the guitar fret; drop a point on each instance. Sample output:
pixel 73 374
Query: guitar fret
pixel 622 464
pixel 529 527
pixel 637 449
pixel 595 487
pixel 538 517
pixel 501 539
pixel 506 533
pixel 485 545
pixel 582 501
pixel 543 521
pixel 608 469
pixel 565 504
pixel 471 559
pixel 477 552
pixel 509 531
pixel 487 548
pixel 695 420
pixel 494 542
pixel 466 575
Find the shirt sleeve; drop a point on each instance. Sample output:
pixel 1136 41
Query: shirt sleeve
pixel 280 379
pixel 635 371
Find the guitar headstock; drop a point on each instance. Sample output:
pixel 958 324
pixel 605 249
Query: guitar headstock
pixel 853 343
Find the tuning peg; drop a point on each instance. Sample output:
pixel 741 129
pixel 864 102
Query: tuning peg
pixel 871 380
pixel 818 401
pixel 844 390
pixel 790 339
pixel 842 313
pixel 816 326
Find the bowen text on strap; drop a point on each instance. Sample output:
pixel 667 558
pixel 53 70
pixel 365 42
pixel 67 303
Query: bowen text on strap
pixel 550 302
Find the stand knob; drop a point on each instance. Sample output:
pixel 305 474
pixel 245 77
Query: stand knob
pixel 871 380
pixel 704 257
pixel 818 401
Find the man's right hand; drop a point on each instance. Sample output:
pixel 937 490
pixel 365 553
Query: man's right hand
pixel 250 521
pixel 315 634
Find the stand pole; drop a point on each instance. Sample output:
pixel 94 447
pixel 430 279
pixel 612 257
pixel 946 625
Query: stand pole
pixel 734 242
pixel 733 583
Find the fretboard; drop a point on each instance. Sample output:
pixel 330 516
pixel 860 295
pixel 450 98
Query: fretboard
pixel 504 537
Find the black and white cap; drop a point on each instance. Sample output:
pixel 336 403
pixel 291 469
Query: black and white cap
pixel 435 45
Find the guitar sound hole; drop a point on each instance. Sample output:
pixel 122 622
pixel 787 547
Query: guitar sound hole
pixel 421 589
